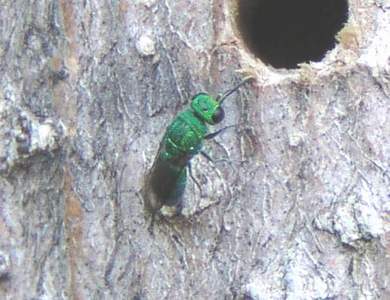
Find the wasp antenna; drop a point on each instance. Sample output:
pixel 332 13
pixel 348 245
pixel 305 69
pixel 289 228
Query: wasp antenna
pixel 231 91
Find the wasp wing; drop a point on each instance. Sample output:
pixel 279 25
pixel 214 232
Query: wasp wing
pixel 166 180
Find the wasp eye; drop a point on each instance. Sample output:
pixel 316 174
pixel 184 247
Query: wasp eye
pixel 218 115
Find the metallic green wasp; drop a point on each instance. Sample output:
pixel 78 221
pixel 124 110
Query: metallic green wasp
pixel 183 139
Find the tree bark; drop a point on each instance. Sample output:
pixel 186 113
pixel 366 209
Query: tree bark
pixel 295 206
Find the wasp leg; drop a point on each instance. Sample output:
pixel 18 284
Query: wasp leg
pixel 179 208
pixel 151 225
pixel 214 161
pixel 193 178
pixel 205 155
pixel 155 217
pixel 214 134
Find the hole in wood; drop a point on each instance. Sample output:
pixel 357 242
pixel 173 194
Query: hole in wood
pixel 284 33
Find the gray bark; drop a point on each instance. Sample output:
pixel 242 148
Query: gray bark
pixel 297 209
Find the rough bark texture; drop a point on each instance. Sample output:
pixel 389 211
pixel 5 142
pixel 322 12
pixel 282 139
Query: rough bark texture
pixel 298 209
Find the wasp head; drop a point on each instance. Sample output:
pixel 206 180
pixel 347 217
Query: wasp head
pixel 207 108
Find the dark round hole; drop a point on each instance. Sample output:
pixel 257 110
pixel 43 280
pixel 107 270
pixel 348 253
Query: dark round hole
pixel 283 33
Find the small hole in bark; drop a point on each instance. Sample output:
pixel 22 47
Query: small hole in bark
pixel 284 33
